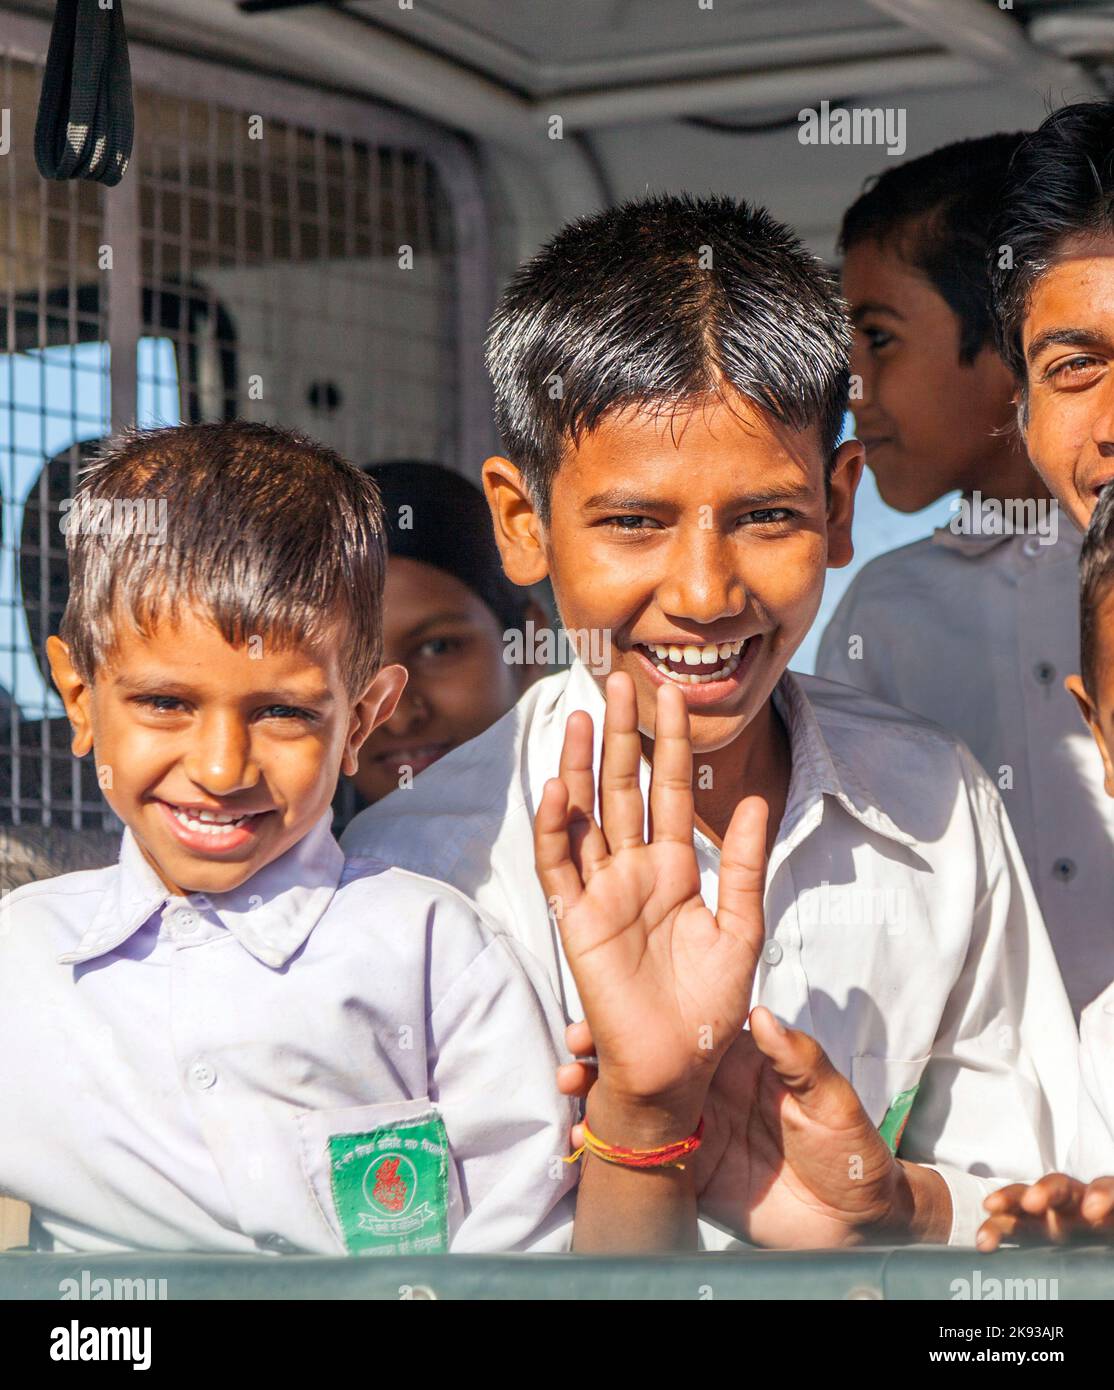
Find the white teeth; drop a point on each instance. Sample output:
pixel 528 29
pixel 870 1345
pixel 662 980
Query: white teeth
pixel 709 655
pixel 675 654
pixel 207 822
pixel 691 655
pixel 691 678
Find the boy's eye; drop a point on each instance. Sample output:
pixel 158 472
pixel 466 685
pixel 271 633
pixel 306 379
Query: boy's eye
pixel 631 523
pixel 163 704
pixel 767 516
pixel 440 646
pixel 877 337
pixel 1073 369
pixel 288 712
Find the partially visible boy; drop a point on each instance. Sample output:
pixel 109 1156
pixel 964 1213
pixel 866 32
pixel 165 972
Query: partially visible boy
pixel 670 379
pixel 1054 307
pixel 973 627
pixel 1080 1203
pixel 235 1039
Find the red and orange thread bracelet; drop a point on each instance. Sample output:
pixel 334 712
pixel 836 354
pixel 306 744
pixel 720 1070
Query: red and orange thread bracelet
pixel 668 1156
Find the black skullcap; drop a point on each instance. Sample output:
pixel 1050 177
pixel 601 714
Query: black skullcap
pixel 447 525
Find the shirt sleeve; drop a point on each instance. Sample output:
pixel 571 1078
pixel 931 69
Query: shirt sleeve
pixel 997 1101
pixel 493 1058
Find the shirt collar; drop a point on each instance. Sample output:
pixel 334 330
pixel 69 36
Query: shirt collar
pixel 816 772
pixel 271 915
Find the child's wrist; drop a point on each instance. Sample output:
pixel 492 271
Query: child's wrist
pixel 640 1122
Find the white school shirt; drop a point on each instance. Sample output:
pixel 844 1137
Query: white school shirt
pixel 902 932
pixel 230 1073
pixel 977 634
pixel 1093 1153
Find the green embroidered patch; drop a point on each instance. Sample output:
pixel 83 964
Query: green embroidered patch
pixel 896 1118
pixel 391 1188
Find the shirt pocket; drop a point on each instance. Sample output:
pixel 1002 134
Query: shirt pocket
pixel 887 1088
pixel 382 1176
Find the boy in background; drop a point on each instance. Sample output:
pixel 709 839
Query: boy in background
pixel 974 627
pixel 671 377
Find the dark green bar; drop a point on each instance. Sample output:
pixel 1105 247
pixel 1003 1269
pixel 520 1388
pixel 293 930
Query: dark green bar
pixel 908 1272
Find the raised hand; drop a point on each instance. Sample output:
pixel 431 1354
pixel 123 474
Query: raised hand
pixel 665 983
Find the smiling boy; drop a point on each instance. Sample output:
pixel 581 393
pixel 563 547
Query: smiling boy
pixel 973 627
pixel 235 1039
pixel 670 379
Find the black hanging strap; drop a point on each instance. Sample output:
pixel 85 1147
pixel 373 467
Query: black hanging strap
pixel 86 122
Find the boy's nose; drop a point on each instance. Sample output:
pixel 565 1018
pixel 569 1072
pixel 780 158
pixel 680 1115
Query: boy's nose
pixel 411 712
pixel 1102 422
pixel 221 761
pixel 703 584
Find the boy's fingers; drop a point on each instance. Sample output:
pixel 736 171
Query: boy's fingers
pixel 994 1230
pixel 742 874
pixel 802 1065
pixel 558 875
pixel 1005 1199
pixel 588 849
pixel 1053 1192
pixel 1097 1204
pixel 671 805
pixel 576 1079
pixel 578 1039
pixel 622 812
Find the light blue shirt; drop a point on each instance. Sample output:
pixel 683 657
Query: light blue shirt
pixel 193 1073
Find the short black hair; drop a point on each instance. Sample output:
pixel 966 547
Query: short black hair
pixel 1096 582
pixel 939 211
pixel 657 302
pixel 438 517
pixel 1061 185
pixel 264 529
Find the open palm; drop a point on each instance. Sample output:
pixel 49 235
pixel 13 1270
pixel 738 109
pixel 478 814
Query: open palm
pixel 665 983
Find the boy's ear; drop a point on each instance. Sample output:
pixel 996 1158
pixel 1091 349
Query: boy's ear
pixel 519 532
pixel 1074 684
pixel 76 695
pixel 374 707
pixel 847 469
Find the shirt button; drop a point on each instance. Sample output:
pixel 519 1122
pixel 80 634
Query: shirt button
pixel 772 952
pixel 202 1076
pixel 1063 869
pixel 1032 547
pixel 276 1242
pixel 1045 672
pixel 185 920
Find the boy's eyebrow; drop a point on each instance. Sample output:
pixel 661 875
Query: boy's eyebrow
pixel 157 685
pixel 1067 337
pixel 874 306
pixel 616 500
pixel 447 615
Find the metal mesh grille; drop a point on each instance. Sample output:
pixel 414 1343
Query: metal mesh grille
pixel 276 272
